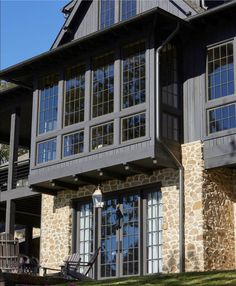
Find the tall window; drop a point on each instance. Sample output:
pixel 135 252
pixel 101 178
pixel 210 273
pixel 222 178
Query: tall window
pixel 46 151
pixel 220 71
pixel 103 86
pixel 102 135
pixel 133 127
pixel 128 8
pixel 48 100
pixel 170 126
pixel 107 13
pixel 134 75
pixel 73 143
pixel 74 96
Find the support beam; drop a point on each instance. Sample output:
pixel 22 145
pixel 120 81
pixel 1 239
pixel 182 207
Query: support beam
pixel 43 190
pixel 64 185
pixel 85 179
pixel 10 217
pixel 138 169
pixel 13 149
pixel 111 174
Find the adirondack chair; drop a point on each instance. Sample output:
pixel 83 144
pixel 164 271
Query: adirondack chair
pixel 9 253
pixel 71 266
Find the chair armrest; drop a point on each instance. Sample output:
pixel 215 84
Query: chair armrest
pixel 48 268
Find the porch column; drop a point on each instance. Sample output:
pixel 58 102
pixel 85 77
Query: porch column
pixel 10 217
pixel 13 148
pixel 28 240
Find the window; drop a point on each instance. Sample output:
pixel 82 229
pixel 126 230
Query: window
pixel 220 71
pixel 73 143
pixel 170 127
pixel 222 118
pixel 102 135
pixel 133 127
pixel 74 96
pixel 103 86
pixel 154 232
pixel 128 9
pixel 48 98
pixel 134 75
pixel 46 151
pixel 107 13
pixel 168 76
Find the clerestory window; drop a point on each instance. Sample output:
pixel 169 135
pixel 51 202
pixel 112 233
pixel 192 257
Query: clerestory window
pixel 107 13
pixel 128 8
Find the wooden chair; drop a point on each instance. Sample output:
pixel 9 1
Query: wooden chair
pixel 70 268
pixel 9 253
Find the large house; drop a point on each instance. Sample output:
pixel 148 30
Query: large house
pixel 137 97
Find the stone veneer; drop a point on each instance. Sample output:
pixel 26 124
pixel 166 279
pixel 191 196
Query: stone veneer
pixel 56 222
pixel 209 213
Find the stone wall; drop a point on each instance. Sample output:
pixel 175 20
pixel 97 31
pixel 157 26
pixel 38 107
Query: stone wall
pixel 209 213
pixel 56 224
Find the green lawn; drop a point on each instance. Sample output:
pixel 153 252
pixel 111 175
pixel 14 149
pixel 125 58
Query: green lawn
pixel 196 278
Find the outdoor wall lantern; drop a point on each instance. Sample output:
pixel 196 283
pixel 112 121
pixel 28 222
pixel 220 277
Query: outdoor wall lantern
pixel 97 197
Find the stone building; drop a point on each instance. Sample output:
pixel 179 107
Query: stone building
pixel 137 97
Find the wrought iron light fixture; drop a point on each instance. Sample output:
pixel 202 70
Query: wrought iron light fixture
pixel 97 197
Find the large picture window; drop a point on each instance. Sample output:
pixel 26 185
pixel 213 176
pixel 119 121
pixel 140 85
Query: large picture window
pixel 102 135
pixel 73 143
pixel 107 14
pixel 133 127
pixel 134 75
pixel 103 86
pixel 46 151
pixel 220 71
pixel 128 8
pixel 48 101
pixel 74 95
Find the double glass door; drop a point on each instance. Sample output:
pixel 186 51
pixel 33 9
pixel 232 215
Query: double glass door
pixel 120 237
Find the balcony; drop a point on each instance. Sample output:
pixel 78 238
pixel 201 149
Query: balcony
pixel 20 178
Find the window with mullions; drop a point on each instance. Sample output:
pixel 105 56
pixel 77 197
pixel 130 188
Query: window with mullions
pixel 107 13
pixel 46 151
pixel 154 232
pixel 102 135
pixel 48 101
pixel 220 71
pixel 74 96
pixel 222 118
pixel 128 8
pixel 133 127
pixel 74 143
pixel 103 86
pixel 134 75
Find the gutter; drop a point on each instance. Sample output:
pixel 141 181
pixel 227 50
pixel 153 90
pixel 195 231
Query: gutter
pixel 170 153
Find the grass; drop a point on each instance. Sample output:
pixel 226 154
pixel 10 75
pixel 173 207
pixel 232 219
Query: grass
pixel 186 279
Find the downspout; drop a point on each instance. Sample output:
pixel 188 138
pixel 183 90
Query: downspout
pixel 170 153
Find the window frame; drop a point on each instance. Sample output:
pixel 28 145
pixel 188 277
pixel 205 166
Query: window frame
pixel 91 136
pixel 37 151
pixel 100 15
pixel 121 10
pixel 63 143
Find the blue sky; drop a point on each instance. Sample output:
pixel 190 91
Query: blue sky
pixel 28 28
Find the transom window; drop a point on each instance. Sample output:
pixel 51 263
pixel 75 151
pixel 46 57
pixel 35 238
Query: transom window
pixel 103 86
pixel 102 135
pixel 134 75
pixel 74 143
pixel 46 151
pixel 48 101
pixel 222 118
pixel 220 71
pixel 128 9
pixel 107 13
pixel 133 127
pixel 74 95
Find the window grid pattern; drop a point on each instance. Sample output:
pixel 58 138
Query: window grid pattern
pixel 220 71
pixel 46 151
pixel 108 239
pixel 107 13
pixel 128 8
pixel 154 232
pixel 103 87
pixel 222 118
pixel 73 143
pixel 134 76
pixel 102 135
pixel 170 127
pixel 86 232
pixel 133 127
pixel 168 76
pixel 74 97
pixel 48 104
pixel 131 235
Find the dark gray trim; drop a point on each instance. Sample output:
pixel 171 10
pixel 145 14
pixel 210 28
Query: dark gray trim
pixel 10 217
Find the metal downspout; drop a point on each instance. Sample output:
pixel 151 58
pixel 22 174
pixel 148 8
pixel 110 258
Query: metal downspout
pixel 176 161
